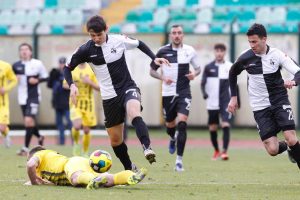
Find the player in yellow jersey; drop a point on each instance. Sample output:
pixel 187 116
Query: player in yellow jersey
pixel 8 80
pixel 83 114
pixel 51 168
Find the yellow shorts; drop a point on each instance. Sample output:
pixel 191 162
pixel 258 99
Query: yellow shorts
pixel 88 118
pixel 76 164
pixel 4 115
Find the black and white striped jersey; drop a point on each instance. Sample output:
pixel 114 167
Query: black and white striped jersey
pixel 265 83
pixel 180 60
pixel 108 63
pixel 215 84
pixel 28 93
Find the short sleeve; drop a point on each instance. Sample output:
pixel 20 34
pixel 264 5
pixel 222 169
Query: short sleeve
pixel 287 63
pixel 195 61
pixel 129 43
pixel 43 71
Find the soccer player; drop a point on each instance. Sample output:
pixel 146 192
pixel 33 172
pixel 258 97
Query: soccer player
pixel 176 93
pixel 106 55
pixel 49 167
pixel 30 73
pixel 8 80
pixel 267 92
pixel 215 89
pixel 83 114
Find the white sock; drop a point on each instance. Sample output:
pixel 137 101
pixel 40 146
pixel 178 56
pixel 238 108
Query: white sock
pixel 179 159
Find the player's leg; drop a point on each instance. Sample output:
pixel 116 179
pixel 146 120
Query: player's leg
pixel 86 141
pixel 132 103
pixel 77 124
pixel 88 120
pixel 4 121
pixel 59 113
pixel 33 109
pixel 171 131
pixel 213 121
pixel 181 140
pixel 225 116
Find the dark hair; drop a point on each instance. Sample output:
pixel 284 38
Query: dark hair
pixel 25 44
pixel 257 29
pixel 36 149
pixel 96 23
pixel 176 26
pixel 220 46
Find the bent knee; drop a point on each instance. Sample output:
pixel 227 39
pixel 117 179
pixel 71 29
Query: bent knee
pixel 272 151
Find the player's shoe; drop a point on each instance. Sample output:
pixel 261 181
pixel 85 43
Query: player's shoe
pixel 224 156
pixel 172 145
pixel 41 140
pixel 23 152
pixel 179 167
pixel 134 168
pixel 137 177
pixel 97 183
pixel 216 155
pixel 7 141
pixel 150 155
pixel 76 150
pixel 290 156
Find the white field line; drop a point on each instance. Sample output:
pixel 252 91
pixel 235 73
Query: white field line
pixel 55 132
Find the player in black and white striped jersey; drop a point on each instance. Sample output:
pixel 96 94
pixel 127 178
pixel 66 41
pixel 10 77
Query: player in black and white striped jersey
pixel 267 92
pixel 215 89
pixel 176 93
pixel 106 55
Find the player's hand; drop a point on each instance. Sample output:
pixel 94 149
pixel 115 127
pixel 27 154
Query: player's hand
pixel 86 79
pixel 74 93
pixel 160 61
pixel 33 81
pixel 232 105
pixel 289 84
pixel 167 80
pixel 190 75
pixel 205 96
pixel 2 91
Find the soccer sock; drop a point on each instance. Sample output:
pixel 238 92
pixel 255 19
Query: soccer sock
pixel 181 138
pixel 121 152
pixel 75 135
pixel 141 131
pixel 85 177
pixel 214 139
pixel 36 132
pixel 5 133
pixel 295 150
pixel 226 138
pixel 122 177
pixel 86 142
pixel 171 132
pixel 28 135
pixel 179 159
pixel 282 147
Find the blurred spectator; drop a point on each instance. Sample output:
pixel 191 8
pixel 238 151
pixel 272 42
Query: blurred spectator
pixel 60 99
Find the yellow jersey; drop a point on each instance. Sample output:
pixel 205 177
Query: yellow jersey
pixel 8 80
pixel 51 167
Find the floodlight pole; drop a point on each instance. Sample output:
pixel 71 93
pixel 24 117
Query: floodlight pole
pixel 35 40
pixel 232 40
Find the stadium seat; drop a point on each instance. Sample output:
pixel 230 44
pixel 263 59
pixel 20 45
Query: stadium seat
pixel 161 3
pixel 205 15
pixel 3 30
pixel 115 28
pixel 292 27
pixel 43 29
pixel 48 16
pixel 201 28
pixel 143 28
pixel 29 4
pixel 19 17
pixel 6 17
pixel 278 15
pixel 177 3
pixel 94 5
pixel 146 15
pixel 158 28
pixel 216 28
pixel 149 4
pixel 246 15
pixel 133 16
pixel 129 28
pixel 293 15
pixel 20 30
pixel 75 18
pixel 57 30
pixel 50 4
pixel 220 14
pixel 243 28
pixel 7 4
pixel 161 16
pixel 60 17
pixel 277 28
pixel 263 15
pixel 33 16
pixel 192 2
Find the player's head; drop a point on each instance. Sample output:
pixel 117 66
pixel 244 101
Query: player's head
pixel 176 35
pixel 25 51
pixel 220 50
pixel 97 28
pixel 257 38
pixel 34 150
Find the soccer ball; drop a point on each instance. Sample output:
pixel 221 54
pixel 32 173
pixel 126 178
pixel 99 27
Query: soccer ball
pixel 100 161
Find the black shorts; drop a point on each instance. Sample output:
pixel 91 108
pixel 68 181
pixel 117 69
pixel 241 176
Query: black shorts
pixel 270 121
pixel 115 108
pixel 30 109
pixel 176 104
pixel 214 115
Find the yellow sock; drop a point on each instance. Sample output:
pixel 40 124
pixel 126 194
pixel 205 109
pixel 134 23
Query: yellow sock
pixel 122 177
pixel 75 135
pixel 85 177
pixel 86 142
pixel 5 133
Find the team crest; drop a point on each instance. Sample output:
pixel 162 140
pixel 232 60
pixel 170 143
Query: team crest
pixel 113 50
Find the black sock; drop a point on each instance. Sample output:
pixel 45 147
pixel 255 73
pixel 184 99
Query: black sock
pixel 141 131
pixel 226 138
pixel 214 140
pixel 295 150
pixel 282 147
pixel 171 132
pixel 181 138
pixel 28 135
pixel 36 132
pixel 121 152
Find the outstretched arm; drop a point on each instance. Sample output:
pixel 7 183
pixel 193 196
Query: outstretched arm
pixel 145 49
pixel 32 164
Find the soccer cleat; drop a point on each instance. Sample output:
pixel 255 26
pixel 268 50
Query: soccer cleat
pixel 172 146
pixel 290 156
pixel 97 183
pixel 179 167
pixel 137 177
pixel 216 155
pixel 7 141
pixel 41 140
pixel 23 152
pixel 150 155
pixel 224 156
pixel 76 150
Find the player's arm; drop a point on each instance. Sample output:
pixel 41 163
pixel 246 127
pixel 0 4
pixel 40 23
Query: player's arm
pixel 196 65
pixel 91 82
pixel 12 80
pixel 32 164
pixel 203 83
pixel 43 75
